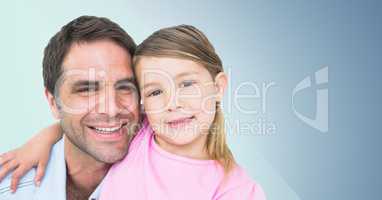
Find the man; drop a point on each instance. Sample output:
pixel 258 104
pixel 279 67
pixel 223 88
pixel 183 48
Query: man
pixel 90 87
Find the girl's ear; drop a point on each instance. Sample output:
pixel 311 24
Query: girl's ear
pixel 221 82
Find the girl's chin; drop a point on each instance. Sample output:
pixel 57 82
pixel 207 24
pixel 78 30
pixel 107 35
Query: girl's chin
pixel 178 138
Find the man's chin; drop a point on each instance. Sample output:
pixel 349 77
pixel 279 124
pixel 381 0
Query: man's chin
pixel 108 156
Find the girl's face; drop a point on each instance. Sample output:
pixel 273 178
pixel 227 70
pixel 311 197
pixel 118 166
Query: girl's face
pixel 179 97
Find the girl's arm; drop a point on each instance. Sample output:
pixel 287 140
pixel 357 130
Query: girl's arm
pixel 35 153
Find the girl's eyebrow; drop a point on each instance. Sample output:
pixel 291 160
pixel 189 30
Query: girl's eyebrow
pixel 186 74
pixel 150 84
pixel 154 83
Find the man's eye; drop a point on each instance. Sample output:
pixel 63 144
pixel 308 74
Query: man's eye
pixel 155 93
pixel 86 89
pixel 187 83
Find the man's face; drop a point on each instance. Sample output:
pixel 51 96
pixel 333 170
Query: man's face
pixel 97 100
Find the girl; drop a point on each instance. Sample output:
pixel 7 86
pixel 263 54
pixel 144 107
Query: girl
pixel 183 154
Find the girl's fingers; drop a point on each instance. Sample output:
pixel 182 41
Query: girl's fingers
pixel 5 157
pixel 40 172
pixel 16 176
pixel 7 168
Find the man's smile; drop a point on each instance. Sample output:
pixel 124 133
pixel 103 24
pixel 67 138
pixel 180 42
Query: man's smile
pixel 113 133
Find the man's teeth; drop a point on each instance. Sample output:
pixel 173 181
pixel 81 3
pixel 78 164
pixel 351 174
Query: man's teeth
pixel 107 130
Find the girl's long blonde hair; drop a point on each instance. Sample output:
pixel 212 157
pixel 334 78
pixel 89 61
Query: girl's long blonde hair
pixel 187 42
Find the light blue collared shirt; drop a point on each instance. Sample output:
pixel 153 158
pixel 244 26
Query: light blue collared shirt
pixel 53 185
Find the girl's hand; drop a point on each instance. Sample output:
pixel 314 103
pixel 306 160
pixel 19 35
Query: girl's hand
pixel 35 153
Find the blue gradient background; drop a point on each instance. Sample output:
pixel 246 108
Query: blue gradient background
pixel 259 41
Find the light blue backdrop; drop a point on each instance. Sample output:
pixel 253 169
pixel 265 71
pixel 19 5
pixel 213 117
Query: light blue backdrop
pixel 276 43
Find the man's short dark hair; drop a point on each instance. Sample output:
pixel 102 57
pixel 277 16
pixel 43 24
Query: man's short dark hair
pixel 81 29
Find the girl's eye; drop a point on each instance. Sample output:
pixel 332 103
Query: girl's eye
pixel 155 93
pixel 187 83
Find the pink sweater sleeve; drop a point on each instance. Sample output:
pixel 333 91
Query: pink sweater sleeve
pixel 249 191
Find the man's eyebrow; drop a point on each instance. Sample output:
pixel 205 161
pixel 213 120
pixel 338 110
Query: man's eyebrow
pixel 130 80
pixel 82 83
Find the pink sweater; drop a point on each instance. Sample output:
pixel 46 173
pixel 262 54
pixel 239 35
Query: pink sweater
pixel 150 173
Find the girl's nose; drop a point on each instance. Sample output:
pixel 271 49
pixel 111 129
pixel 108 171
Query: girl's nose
pixel 173 103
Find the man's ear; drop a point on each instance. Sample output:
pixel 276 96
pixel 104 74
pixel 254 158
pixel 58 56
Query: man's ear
pixel 221 82
pixel 52 104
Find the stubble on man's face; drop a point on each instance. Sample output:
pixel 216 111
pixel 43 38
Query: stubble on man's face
pixel 98 100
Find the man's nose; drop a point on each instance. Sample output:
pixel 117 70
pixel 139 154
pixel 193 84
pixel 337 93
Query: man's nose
pixel 108 103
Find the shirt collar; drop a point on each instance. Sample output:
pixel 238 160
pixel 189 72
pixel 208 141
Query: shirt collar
pixel 54 183
pixel 95 195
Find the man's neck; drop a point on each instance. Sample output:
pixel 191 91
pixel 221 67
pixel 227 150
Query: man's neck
pixel 84 173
